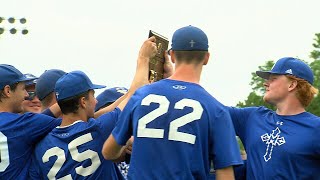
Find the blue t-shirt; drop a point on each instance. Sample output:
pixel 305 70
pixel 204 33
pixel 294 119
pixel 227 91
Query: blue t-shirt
pixel 279 147
pixel 177 127
pixel 74 151
pixel 18 135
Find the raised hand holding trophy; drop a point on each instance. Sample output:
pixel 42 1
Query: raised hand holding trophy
pixel 156 64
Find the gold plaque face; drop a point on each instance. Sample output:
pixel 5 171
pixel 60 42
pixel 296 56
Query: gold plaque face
pixel 156 63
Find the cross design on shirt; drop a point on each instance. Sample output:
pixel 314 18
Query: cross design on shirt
pixel 272 140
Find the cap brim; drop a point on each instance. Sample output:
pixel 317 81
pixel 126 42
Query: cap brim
pixel 263 74
pixel 31 82
pixel 24 79
pixel 95 86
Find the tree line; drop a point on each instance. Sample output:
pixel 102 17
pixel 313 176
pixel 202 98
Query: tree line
pixel 255 98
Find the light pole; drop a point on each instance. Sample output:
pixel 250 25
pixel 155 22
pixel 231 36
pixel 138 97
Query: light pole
pixel 14 21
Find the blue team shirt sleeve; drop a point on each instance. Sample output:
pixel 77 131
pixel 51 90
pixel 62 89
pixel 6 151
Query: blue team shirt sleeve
pixel 226 151
pixel 108 121
pixel 38 125
pixel 240 118
pixel 123 130
pixel 48 112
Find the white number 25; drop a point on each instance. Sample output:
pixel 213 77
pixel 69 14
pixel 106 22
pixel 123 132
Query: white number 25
pixel 76 155
pixel 163 108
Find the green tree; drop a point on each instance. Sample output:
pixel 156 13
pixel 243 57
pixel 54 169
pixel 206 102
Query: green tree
pixel 255 98
pixel 315 54
pixel 315 66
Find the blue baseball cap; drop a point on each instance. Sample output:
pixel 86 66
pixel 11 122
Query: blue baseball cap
pixel 46 82
pixel 10 75
pixel 189 38
pixel 289 66
pixel 31 82
pixel 72 84
pixel 109 96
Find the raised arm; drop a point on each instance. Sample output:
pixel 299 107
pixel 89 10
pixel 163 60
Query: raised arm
pixel 111 149
pixel 147 51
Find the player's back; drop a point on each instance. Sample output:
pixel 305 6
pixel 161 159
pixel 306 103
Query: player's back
pixel 75 151
pixel 176 127
pixel 18 134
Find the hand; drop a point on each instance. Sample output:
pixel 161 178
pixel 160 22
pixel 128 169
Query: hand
pixel 148 48
pixel 129 143
pixel 147 51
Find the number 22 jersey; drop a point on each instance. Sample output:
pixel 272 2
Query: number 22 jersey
pixel 177 127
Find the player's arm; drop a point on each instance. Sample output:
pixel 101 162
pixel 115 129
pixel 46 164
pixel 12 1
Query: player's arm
pixel 147 51
pixel 225 173
pixel 109 108
pixel 111 149
pixel 125 151
pixel 53 111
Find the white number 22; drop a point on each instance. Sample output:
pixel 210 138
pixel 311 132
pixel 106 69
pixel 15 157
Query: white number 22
pixel 163 108
pixel 61 158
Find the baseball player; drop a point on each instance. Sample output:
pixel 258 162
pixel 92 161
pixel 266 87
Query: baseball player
pixel 282 144
pixel 178 127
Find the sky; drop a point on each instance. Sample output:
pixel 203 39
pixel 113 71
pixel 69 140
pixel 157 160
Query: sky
pixel 103 37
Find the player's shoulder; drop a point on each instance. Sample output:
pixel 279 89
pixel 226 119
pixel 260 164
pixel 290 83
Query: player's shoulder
pixel 311 118
pixel 9 116
pixel 25 118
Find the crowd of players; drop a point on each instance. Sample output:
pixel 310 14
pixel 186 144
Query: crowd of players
pixel 55 127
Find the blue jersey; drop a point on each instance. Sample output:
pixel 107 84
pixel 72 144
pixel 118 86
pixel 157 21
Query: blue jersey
pixel 18 135
pixel 239 172
pixel 279 147
pixel 74 151
pixel 178 127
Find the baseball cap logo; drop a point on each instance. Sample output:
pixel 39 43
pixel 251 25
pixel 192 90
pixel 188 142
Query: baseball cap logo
pixel 121 90
pixel 289 71
pixel 29 76
pixel 192 43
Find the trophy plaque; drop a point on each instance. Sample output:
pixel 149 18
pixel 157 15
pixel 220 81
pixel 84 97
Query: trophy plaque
pixel 156 63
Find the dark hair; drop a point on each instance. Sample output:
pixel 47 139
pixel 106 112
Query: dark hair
pixel 190 56
pixel 13 87
pixel 71 105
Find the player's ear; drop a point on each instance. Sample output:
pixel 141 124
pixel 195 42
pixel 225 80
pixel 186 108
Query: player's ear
pixel 6 91
pixel 82 102
pixel 172 56
pixel 293 84
pixel 206 58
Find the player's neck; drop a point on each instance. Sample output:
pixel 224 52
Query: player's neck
pixel 6 106
pixel 290 107
pixel 187 73
pixel 4 109
pixel 71 118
